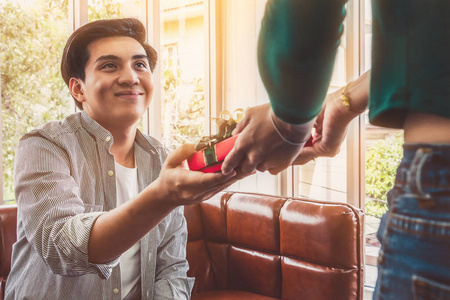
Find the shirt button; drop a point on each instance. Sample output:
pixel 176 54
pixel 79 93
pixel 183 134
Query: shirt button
pixel 110 173
pixel 115 291
pixel 108 138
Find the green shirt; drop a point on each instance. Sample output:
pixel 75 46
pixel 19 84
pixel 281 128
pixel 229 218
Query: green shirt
pixel 410 66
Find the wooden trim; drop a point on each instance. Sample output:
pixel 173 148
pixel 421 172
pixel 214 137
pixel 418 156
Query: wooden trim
pixel 153 116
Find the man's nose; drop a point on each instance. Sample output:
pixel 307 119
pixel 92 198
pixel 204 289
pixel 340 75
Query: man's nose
pixel 128 76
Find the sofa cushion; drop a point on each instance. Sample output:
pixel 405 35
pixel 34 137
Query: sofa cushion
pixel 252 245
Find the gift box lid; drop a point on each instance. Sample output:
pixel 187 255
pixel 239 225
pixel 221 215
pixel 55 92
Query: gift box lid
pixel 210 159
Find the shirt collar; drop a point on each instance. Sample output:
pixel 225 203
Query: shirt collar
pixel 94 128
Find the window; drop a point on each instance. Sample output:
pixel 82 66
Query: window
pixel 32 89
pixel 170 53
pixel 183 57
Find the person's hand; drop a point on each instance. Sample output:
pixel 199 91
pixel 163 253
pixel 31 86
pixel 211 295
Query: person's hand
pixel 330 131
pixel 259 145
pixel 332 122
pixel 181 186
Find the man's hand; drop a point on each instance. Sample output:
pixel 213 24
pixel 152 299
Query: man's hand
pixel 259 145
pixel 181 186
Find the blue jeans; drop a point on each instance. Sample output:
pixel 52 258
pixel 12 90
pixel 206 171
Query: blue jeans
pixel 414 261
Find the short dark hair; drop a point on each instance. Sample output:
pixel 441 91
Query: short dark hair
pixel 76 52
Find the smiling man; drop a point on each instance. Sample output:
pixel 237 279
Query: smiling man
pixel 100 205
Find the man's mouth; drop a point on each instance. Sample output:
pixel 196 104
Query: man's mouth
pixel 129 93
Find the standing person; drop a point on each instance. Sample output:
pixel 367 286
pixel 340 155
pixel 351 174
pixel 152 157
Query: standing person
pixel 409 89
pixel 100 214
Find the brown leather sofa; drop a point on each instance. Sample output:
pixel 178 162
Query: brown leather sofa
pixel 251 246
pixel 8 224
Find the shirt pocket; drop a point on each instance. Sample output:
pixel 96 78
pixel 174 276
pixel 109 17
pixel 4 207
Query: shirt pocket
pixel 92 208
pixel 425 289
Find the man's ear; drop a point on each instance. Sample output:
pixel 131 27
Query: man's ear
pixel 76 88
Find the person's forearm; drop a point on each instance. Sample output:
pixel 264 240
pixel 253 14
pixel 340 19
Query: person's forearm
pixel 357 93
pixel 116 231
pixel 297 46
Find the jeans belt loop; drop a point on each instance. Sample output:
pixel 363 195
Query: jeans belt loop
pixel 415 172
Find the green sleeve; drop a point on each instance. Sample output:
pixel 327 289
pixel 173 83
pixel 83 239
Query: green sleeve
pixel 297 46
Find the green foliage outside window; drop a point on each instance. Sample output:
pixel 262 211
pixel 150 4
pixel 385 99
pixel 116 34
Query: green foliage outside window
pixel 32 90
pixel 382 161
pixel 104 9
pixel 183 108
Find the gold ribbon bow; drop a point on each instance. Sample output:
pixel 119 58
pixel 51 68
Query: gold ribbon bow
pixel 226 123
pixel 236 116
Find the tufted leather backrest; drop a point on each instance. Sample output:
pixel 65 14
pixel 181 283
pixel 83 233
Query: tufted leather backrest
pixel 279 247
pixel 8 236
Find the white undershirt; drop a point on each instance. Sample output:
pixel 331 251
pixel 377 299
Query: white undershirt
pixel 130 262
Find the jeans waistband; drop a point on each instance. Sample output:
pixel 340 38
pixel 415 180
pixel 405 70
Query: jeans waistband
pixel 425 170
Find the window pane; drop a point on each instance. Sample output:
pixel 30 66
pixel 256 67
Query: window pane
pixel 33 35
pixel 383 154
pixel 182 62
pixel 110 9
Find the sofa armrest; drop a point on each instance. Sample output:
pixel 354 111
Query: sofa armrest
pixel 8 236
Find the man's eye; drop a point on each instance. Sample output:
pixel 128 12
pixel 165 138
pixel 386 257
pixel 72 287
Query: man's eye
pixel 141 65
pixel 108 66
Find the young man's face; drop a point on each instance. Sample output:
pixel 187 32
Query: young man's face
pixel 118 85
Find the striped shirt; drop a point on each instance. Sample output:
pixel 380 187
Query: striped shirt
pixel 64 179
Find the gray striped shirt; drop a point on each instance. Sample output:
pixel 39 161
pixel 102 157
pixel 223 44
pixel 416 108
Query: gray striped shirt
pixel 64 179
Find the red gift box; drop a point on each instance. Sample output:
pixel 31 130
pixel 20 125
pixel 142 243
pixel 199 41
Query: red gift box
pixel 210 159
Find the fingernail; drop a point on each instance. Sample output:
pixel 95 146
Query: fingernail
pixel 229 174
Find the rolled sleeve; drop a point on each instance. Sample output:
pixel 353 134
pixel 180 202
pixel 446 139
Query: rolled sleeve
pixel 73 241
pixel 171 280
pixel 297 46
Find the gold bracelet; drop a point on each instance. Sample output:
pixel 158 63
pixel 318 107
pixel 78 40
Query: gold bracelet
pixel 346 100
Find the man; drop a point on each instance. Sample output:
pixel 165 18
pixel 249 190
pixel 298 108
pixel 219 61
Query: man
pixel 99 214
